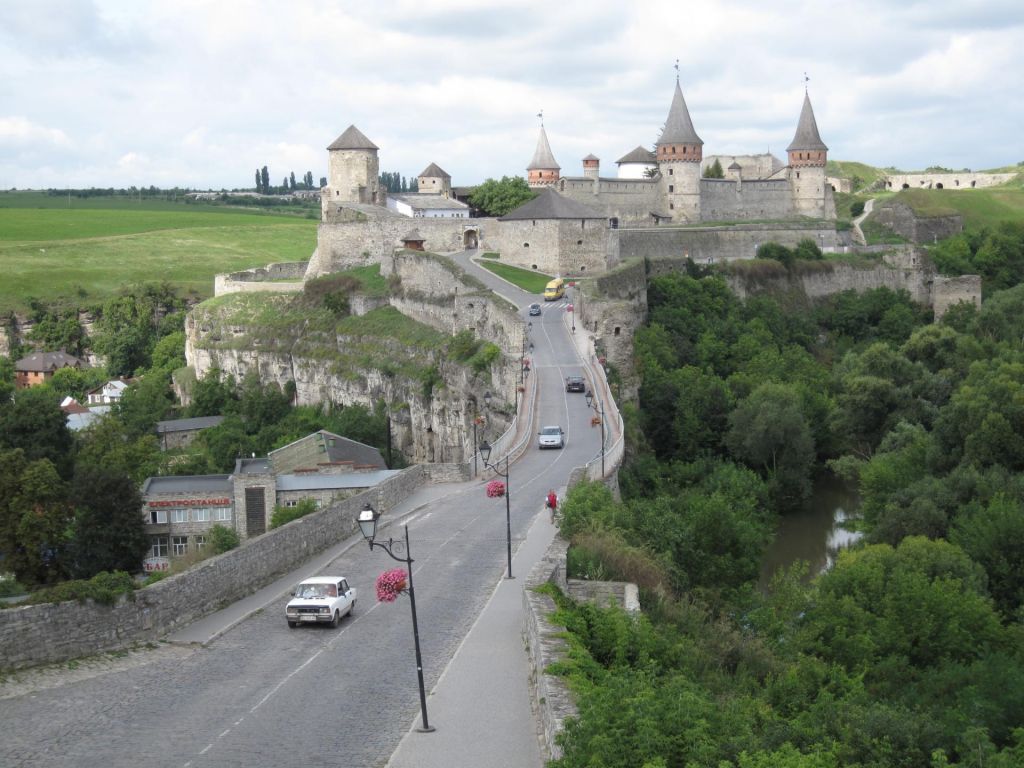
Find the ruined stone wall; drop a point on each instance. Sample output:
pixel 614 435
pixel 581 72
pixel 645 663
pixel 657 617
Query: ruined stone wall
pixel 901 219
pixel 716 244
pixel 954 180
pixel 949 291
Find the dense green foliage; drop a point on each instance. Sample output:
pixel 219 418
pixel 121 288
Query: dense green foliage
pixel 223 539
pixel 496 198
pixel 910 650
pixel 714 171
pixel 996 254
pixel 282 515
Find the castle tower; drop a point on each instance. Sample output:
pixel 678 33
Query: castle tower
pixel 433 180
pixel 353 173
pixel 807 157
pixel 679 152
pixel 591 167
pixel 542 171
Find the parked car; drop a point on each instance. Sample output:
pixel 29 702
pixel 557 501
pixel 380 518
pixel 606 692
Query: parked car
pixel 551 437
pixel 535 310
pixel 575 384
pixel 320 600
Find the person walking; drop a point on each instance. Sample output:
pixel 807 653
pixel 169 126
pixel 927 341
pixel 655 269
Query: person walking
pixel 552 503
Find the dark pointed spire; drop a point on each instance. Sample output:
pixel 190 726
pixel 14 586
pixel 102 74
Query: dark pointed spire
pixel 807 136
pixel 678 126
pixel 542 157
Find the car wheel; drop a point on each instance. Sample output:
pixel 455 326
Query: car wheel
pixel 336 619
pixel 293 624
pixel 352 608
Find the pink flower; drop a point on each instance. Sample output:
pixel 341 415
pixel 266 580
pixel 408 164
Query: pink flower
pixel 495 489
pixel 390 585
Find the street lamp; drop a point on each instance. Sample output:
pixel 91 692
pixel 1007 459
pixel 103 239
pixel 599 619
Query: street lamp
pixel 367 519
pixel 485 454
pixel 589 397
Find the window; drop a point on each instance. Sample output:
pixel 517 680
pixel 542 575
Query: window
pixel 200 542
pixel 158 516
pixel 201 515
pixel 291 503
pixel 222 513
pixel 179 545
pixel 158 546
pixel 179 515
pixel 671 187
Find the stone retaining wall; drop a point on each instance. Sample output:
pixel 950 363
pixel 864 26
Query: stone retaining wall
pixel 39 634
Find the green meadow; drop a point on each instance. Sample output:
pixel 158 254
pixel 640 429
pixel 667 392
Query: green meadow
pixel 83 255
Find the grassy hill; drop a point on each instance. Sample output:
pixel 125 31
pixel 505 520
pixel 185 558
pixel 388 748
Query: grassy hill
pixel 861 174
pixel 82 255
pixel 979 207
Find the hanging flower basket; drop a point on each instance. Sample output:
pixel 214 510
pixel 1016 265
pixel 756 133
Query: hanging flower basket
pixel 520 389
pixel 595 420
pixel 495 489
pixel 390 585
pixel 479 421
pixel 602 360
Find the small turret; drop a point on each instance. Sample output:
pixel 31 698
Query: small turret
pixel 591 167
pixel 807 157
pixel 679 151
pixel 353 174
pixel 542 171
pixel 434 180
pixel 807 148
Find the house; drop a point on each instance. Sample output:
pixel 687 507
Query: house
pixel 108 393
pixel 39 367
pixel 78 416
pixel 179 433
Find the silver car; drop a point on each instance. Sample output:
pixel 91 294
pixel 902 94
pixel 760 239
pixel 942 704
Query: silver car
pixel 551 437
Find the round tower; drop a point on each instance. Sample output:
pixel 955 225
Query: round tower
pixel 807 157
pixel 679 152
pixel 353 171
pixel 542 171
pixel 591 167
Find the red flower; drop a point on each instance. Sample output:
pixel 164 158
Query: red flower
pixel 495 489
pixel 390 585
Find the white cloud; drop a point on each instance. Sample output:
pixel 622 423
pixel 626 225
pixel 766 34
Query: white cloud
pixel 20 131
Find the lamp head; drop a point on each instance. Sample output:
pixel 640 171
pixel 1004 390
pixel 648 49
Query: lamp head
pixel 485 451
pixel 589 397
pixel 487 399
pixel 367 520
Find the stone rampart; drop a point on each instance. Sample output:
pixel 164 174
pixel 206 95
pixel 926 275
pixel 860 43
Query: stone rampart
pixel 949 291
pixel 555 246
pixel 631 201
pixel 278 277
pixel 715 244
pixel 39 634
pixel 952 180
pixel 900 218
pixel 724 200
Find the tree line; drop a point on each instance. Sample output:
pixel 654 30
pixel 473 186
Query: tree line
pixel 909 650
pixel 288 183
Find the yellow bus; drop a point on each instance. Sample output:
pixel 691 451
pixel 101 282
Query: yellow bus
pixel 554 290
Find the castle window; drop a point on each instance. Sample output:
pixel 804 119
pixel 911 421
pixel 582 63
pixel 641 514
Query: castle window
pixel 669 171
pixel 673 150
pixel 527 245
pixel 671 206
pixel 798 174
pixel 579 242
pixel 671 188
pixel 617 331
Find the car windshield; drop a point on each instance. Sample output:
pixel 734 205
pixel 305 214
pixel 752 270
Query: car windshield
pixel 311 590
pixel 551 431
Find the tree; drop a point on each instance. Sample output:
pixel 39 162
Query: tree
pixel 291 181
pixel 308 179
pixel 35 423
pixel 496 198
pixel 34 517
pixel 994 538
pixel 108 529
pixel 60 331
pixel 107 443
pixel 323 181
pixel 265 180
pixel 714 171
pixel 259 181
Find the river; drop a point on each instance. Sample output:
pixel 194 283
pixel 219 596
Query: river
pixel 814 533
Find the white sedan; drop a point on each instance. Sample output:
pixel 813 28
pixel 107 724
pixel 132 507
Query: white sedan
pixel 320 600
pixel 551 437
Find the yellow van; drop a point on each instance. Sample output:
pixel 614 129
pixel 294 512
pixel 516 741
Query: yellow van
pixel 554 289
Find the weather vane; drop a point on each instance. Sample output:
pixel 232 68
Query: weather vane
pixel 806 81
pixel 541 116
pixel 677 70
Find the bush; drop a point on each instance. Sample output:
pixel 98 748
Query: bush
pixel 222 539
pixel 284 515
pixel 11 588
pixel 857 208
pixel 104 588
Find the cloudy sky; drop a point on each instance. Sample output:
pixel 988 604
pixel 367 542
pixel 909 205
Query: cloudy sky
pixel 200 93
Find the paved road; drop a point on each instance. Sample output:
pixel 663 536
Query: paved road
pixel 262 694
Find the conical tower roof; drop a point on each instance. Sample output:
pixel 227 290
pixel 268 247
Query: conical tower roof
pixel 807 136
pixel 678 126
pixel 352 138
pixel 435 170
pixel 542 157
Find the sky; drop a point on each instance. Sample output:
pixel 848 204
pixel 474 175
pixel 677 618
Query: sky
pixel 200 93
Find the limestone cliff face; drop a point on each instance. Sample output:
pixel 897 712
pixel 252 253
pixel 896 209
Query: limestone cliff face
pixel 391 349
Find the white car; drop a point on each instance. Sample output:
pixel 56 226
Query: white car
pixel 320 600
pixel 551 437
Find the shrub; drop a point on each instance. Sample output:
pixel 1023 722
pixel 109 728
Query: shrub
pixel 222 539
pixel 284 515
pixel 11 588
pixel 104 588
pixel 484 357
pixel 857 208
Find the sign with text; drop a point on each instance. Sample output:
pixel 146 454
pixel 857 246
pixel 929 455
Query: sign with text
pixel 155 564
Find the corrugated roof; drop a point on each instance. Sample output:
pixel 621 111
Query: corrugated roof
pixel 345 480
pixel 551 205
pixel 435 170
pixel 180 484
pixel 638 155
pixel 542 157
pixel 184 425
pixel 678 126
pixel 352 138
pixel 807 136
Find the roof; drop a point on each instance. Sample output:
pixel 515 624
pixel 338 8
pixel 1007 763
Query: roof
pixel 807 136
pixel 638 155
pixel 47 361
pixel 184 425
pixel 542 157
pixel 252 466
pixel 678 126
pixel 304 481
pixel 428 202
pixel 181 484
pixel 414 235
pixel 324 447
pixel 591 157
pixel 435 170
pixel 352 138
pixel 77 420
pixel 734 166
pixel 551 205
pixel 114 387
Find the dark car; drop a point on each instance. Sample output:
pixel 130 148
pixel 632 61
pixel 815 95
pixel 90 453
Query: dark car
pixel 535 310
pixel 575 384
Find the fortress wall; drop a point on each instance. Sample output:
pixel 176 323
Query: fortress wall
pixel 901 219
pixel 724 200
pixel 753 166
pixel 712 244
pixel 948 291
pixel 965 180
pixel 631 201
pixel 582 246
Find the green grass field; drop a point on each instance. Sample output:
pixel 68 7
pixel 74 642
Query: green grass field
pixel 979 207
pixel 528 280
pixel 80 257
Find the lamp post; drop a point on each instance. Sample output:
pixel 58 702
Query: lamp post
pixel 589 397
pixel 475 417
pixel 485 454
pixel 367 519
